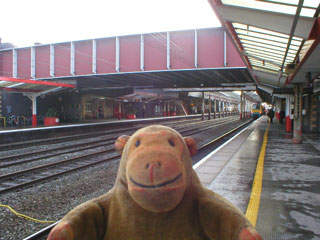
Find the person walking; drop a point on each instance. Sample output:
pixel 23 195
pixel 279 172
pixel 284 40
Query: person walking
pixel 271 115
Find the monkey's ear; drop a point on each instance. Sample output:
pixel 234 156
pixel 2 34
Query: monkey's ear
pixel 120 143
pixel 191 144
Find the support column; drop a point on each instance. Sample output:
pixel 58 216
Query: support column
pixel 313 113
pixel 297 123
pixel 202 106
pixel 167 108
pixel 215 108
pixel 227 110
pixel 120 111
pixel 33 98
pixel 209 108
pixel 34 111
pixel 223 109
pixel 14 63
pixel 244 106
pixel 288 113
pixel 225 104
pixel 94 56
pixel 277 108
pixel 241 105
pixel 117 54
pixel 142 52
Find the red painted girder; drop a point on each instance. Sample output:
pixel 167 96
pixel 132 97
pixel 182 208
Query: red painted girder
pixel 183 55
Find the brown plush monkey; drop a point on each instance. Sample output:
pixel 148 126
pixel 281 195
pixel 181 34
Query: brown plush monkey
pixel 157 196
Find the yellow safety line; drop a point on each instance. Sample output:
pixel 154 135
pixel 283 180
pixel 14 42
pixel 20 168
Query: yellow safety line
pixel 254 202
pixel 25 216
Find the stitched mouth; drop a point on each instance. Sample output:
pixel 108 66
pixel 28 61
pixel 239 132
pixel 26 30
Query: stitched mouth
pixel 156 185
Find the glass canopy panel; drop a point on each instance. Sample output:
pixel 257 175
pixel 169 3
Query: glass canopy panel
pixel 306 46
pixel 265 54
pixel 306 3
pixel 269 32
pixel 272 43
pixel 262 36
pixel 279 57
pixel 265 48
pixel 267 59
pixel 268 50
pixel 271 51
pixel 265 65
pixel 278 6
pixel 264 69
pixel 264 61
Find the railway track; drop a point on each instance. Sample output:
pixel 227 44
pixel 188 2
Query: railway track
pixel 218 140
pixel 57 149
pixel 66 164
pixel 77 136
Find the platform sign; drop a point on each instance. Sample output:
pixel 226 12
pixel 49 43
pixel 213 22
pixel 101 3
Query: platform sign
pixel 316 85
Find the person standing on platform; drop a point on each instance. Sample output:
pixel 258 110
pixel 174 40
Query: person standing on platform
pixel 282 116
pixel 271 115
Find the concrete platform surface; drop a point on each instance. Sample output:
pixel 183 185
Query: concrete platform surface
pixel 230 170
pixel 290 197
pixel 290 200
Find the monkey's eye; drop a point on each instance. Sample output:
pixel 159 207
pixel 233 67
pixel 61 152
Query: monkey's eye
pixel 138 143
pixel 171 142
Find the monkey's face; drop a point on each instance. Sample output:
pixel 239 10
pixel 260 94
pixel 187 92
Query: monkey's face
pixel 157 169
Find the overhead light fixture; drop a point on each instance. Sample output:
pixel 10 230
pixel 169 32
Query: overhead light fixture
pixel 290 68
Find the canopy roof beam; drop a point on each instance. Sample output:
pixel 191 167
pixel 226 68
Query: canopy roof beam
pixel 266 19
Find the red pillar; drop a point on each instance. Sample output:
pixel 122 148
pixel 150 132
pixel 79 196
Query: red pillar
pixel 288 124
pixel 33 98
pixel 34 120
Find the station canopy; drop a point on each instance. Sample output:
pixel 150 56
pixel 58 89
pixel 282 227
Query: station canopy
pixel 27 86
pixel 278 39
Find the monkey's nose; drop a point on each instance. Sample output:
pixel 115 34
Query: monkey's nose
pixel 153 164
pixel 151 167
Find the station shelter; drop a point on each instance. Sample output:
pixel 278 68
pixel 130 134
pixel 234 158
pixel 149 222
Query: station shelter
pixel 279 43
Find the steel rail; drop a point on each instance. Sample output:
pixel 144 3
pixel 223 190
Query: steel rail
pixel 42 179
pixel 52 155
pixel 26 181
pixel 45 231
pixel 45 166
pixel 68 147
pixel 13 146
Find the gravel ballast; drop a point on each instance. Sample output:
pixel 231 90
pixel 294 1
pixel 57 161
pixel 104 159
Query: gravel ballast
pixel 51 200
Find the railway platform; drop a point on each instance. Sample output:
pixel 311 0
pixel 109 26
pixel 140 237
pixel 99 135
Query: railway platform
pixel 273 181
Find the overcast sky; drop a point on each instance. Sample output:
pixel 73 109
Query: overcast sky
pixel 24 22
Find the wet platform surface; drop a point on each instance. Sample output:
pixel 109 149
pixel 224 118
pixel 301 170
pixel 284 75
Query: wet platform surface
pixel 230 170
pixel 290 200
pixel 290 197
